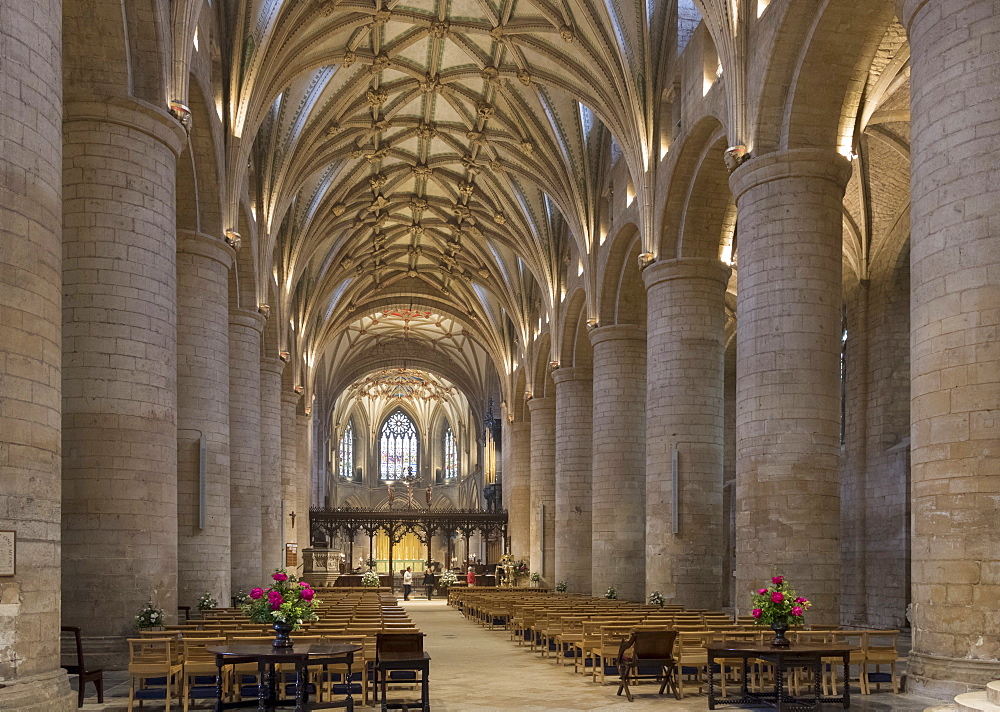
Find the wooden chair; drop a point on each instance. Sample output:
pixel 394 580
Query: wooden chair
pixel 880 649
pixel 153 659
pixel 95 675
pixel 691 659
pixel 856 639
pixel 403 652
pixel 198 662
pixel 647 649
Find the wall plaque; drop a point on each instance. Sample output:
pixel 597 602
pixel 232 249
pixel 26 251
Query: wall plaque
pixel 8 555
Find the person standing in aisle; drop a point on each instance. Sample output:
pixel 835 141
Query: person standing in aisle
pixel 407 583
pixel 428 581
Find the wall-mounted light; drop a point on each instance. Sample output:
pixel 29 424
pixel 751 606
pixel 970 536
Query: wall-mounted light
pixel 264 309
pixel 284 356
pixel 592 323
pixel 298 389
pixel 645 259
pixel 553 365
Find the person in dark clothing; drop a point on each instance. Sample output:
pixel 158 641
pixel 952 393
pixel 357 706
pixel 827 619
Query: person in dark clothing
pixel 429 581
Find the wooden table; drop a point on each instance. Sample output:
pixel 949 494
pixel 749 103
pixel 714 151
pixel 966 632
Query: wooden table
pixel 809 655
pixel 266 656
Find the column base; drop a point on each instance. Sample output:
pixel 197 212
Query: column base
pixel 48 692
pixel 944 678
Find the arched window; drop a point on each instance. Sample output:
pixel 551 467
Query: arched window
pixel 399 447
pixel 346 452
pixel 450 455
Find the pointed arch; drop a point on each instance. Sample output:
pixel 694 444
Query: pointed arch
pixel 398 445
pixel 347 451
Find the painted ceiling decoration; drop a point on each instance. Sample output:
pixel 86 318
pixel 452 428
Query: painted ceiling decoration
pixel 402 383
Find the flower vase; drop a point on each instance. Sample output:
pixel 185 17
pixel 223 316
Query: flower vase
pixel 780 627
pixel 281 634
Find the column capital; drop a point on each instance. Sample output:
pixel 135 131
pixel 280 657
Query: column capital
pixel 573 373
pixel 129 112
pixel 617 332
pixel 272 365
pixel 547 403
pixel 818 163
pixel 290 397
pixel 687 268
pixel 249 320
pixel 202 245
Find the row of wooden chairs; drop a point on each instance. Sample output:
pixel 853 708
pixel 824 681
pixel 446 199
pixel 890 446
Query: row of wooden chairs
pixel 590 632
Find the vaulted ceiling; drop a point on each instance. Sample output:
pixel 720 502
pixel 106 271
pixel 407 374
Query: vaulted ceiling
pixel 440 154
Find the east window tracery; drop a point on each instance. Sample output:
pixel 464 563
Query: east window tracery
pixel 399 447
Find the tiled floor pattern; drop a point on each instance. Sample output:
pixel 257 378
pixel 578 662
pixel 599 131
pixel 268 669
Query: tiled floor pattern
pixel 476 669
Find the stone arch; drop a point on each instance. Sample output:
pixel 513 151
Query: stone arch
pixel 623 295
pixel 706 132
pixel 542 385
pixel 516 406
pixel 575 348
pixel 826 68
pixel 710 213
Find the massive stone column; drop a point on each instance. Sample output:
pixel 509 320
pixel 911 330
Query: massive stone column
pixel 30 334
pixel 788 374
pixel 203 516
pixel 619 461
pixel 516 454
pixel 245 447
pixel 685 373
pixel 543 487
pixel 289 466
pixel 574 427
pixel 272 544
pixel 119 368
pixel 955 342
pixel 303 491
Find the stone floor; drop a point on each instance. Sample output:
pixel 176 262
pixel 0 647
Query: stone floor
pixel 476 669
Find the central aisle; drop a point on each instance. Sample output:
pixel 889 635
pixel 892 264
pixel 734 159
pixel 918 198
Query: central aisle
pixel 476 669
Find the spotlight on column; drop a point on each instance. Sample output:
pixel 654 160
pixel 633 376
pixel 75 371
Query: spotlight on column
pixel 181 112
pixel 264 309
pixel 233 239
pixel 553 365
pixel 645 259
pixel 299 389
pixel 284 356
pixel 592 323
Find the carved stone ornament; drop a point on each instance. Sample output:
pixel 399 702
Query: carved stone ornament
pixel 485 111
pixel 376 96
pixel 422 170
pixel 430 84
pixel 735 156
pixel 426 131
pixel 380 63
pixel 440 29
pixel 527 147
pixel 499 218
pixel 380 18
pixel 349 59
pixel 467 189
pixel 566 32
pixel 524 77
pixel 376 181
pixel 489 73
pixel 338 209
pixel 327 7
pixel 332 129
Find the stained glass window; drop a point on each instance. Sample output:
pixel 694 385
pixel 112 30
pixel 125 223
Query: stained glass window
pixel 450 455
pixel 399 447
pixel 347 452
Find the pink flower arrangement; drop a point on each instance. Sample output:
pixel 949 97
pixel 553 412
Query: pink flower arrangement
pixel 778 604
pixel 287 600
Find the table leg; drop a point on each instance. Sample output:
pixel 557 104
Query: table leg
pixel 349 679
pixel 847 680
pixel 425 691
pixel 779 684
pixel 218 684
pixel 262 687
pixel 746 676
pixel 818 674
pixel 711 682
pixel 301 681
